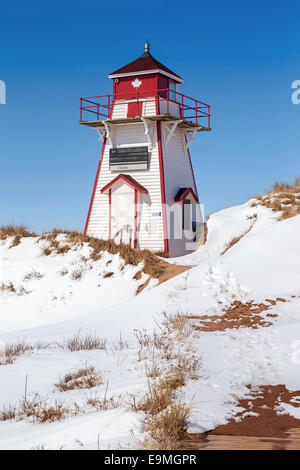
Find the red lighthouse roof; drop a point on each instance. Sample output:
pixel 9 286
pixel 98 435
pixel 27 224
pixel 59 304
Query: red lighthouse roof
pixel 144 64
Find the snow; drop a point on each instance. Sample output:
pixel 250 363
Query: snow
pixel 264 264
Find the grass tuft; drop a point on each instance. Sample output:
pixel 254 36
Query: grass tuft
pixel 16 231
pixel 85 377
pixel 83 343
pixel 166 429
pixel 282 197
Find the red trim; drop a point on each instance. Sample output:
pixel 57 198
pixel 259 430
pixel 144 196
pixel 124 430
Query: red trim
pixel 162 186
pixel 183 193
pixel 128 179
pixel 95 186
pixel 109 214
pixel 135 218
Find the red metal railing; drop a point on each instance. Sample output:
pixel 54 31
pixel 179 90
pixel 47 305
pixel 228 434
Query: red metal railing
pixel 185 107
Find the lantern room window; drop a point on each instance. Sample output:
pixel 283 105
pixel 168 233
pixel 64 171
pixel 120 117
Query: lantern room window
pixel 173 90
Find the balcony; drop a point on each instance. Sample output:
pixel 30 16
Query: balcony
pixel 163 104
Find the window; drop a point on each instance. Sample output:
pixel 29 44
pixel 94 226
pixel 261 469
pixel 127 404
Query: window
pixel 186 215
pixel 173 90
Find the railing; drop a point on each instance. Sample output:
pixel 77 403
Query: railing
pixel 188 108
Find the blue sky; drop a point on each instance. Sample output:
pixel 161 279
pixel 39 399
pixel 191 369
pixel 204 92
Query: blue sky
pixel 240 57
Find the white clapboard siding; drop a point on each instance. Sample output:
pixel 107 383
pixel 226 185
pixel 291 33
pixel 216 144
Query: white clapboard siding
pixel 149 107
pixel 120 110
pixel 178 174
pixel 123 136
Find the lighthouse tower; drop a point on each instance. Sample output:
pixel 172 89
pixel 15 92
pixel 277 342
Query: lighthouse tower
pixel 145 193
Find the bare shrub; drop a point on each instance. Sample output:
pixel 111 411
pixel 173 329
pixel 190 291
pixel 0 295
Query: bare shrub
pixel 81 343
pixel 85 377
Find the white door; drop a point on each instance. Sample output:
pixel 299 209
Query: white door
pixel 122 217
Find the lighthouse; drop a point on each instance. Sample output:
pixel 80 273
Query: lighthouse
pixel 145 193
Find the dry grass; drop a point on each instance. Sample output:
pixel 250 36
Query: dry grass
pixel 205 233
pixel 83 343
pixel 236 239
pixel 282 197
pixel 37 409
pixel 76 275
pixel 166 429
pixel 120 345
pixel 152 265
pixel 33 275
pixel 9 413
pixel 82 378
pixel 16 231
pixel 9 287
pixel 169 362
pixel 177 324
pixel 40 411
pixel 162 254
pixel 158 397
pixel 13 351
pixel 233 242
pixel 109 274
pixel 104 403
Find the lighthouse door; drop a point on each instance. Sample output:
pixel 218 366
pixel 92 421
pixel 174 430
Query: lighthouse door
pixel 122 215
